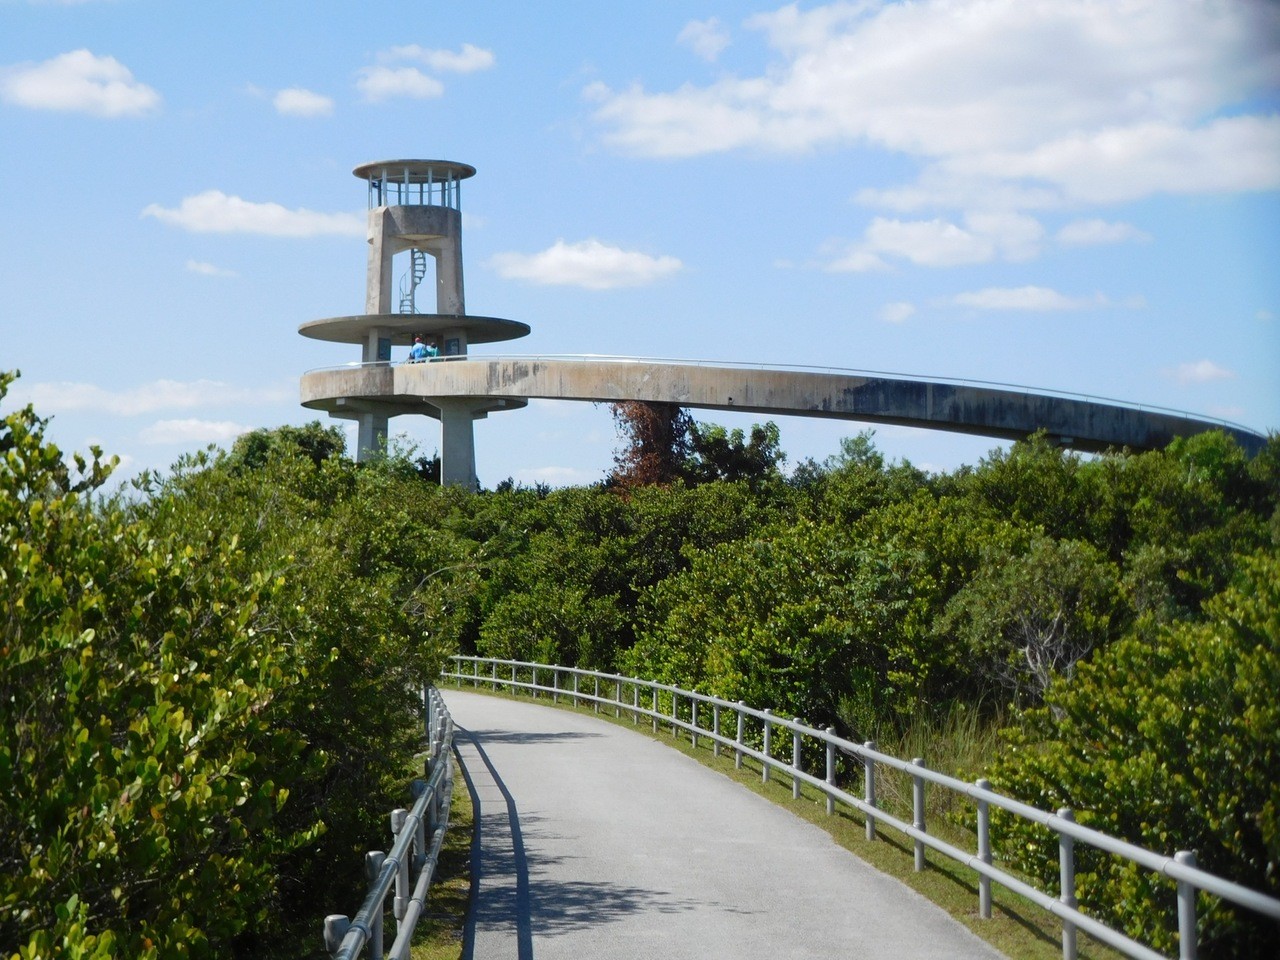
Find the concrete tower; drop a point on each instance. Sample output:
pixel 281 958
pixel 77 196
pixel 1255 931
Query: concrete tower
pixel 414 210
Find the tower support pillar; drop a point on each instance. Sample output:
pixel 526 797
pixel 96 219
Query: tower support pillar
pixel 457 443
pixel 372 438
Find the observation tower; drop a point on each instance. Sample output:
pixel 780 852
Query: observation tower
pixel 415 212
pixel 415 217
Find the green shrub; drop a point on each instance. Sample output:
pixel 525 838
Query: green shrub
pixel 141 772
pixel 1172 744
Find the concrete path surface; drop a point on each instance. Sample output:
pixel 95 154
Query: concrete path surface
pixel 596 841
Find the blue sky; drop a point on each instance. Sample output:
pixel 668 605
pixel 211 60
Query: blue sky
pixel 1078 195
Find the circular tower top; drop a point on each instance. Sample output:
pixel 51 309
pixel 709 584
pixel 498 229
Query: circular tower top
pixel 405 183
pixel 415 171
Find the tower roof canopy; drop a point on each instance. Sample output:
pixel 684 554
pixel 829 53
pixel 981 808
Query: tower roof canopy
pixel 414 171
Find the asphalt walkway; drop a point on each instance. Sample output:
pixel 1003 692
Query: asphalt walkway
pixel 597 841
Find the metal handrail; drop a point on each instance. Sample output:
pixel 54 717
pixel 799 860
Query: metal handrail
pixel 1180 867
pixel 839 371
pixel 418 837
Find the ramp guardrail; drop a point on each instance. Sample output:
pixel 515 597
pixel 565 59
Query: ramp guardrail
pixel 666 705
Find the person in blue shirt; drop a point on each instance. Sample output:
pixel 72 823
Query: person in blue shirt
pixel 419 351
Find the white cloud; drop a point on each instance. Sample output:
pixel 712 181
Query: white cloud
pixel 556 476
pixel 381 83
pixel 706 38
pixel 300 102
pixel 468 59
pixel 1081 233
pixel 1116 164
pixel 941 243
pixel 1201 371
pixel 933 243
pixel 857 260
pixel 1029 298
pixel 208 269
pixel 897 312
pixel 67 397
pixel 192 431
pixel 216 212
pixel 80 82
pixel 1032 102
pixel 587 263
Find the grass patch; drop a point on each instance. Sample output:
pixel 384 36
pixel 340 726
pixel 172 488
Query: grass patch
pixel 1018 928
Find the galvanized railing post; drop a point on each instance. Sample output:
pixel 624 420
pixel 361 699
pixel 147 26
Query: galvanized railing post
pixel 768 735
pixel 534 683
pixel 984 852
pixel 617 700
pixel 635 704
pixel 737 759
pixel 428 716
pixel 416 789
pixel 1186 909
pixel 373 861
pixel 430 820
pixel 1067 875
pixel 795 762
pixel 401 902
pixel 869 788
pixel 675 707
pixel 831 770
pixel 596 703
pixel 693 721
pixel 475 672
pixel 493 674
pixel 555 685
pixel 917 809
pixel 715 728
pixel 655 709
pixel 336 926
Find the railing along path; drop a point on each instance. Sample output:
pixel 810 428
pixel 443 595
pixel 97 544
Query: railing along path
pixel 418 835
pixel 663 706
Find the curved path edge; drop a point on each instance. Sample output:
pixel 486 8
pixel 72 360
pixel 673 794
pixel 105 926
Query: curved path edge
pixel 596 841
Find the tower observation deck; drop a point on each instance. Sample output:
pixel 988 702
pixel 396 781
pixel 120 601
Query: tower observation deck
pixel 415 213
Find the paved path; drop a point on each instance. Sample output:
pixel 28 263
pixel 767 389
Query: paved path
pixel 596 841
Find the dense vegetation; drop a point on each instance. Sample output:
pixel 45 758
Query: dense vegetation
pixel 205 694
pixel 205 680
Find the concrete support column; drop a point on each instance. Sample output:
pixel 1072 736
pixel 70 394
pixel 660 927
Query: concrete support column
pixel 373 349
pixel 449 297
pixel 457 443
pixel 379 273
pixel 454 333
pixel 372 439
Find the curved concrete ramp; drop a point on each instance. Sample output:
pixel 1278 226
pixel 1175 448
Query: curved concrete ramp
pixel 1009 414
pixel 596 841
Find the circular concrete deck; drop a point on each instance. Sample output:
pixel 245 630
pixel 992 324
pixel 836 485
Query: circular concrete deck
pixel 402 327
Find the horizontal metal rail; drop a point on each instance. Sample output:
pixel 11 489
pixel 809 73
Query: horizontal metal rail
pixel 645 699
pixel 418 837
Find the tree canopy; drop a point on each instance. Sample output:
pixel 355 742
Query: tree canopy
pixel 206 677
